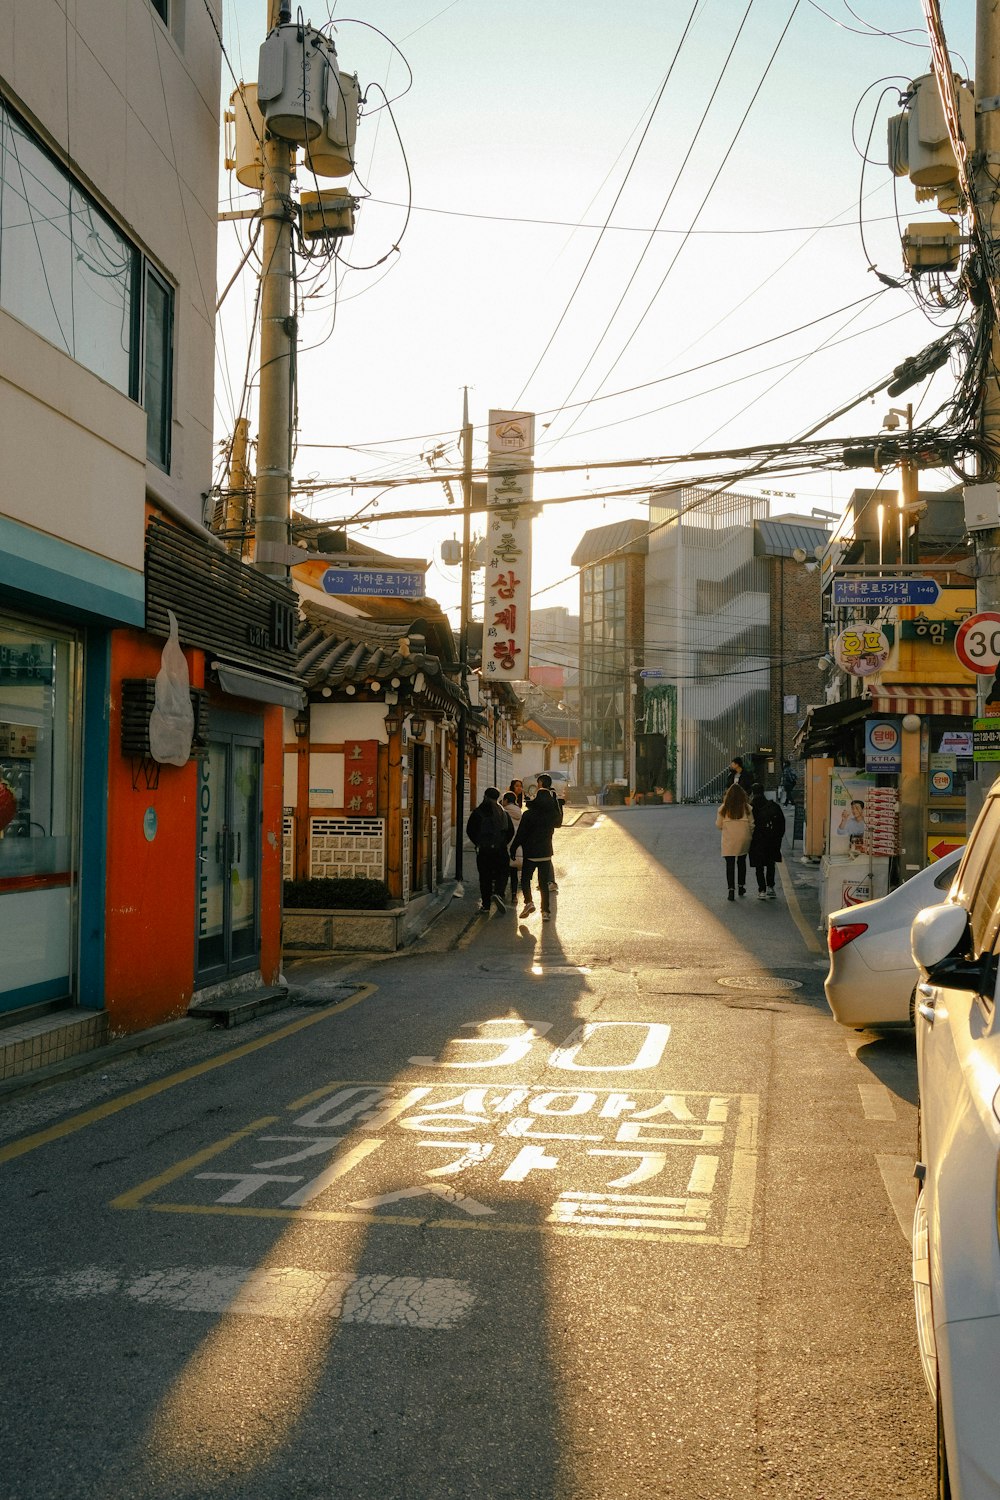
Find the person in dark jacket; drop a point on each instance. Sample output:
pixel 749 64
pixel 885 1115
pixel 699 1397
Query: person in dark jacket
pixel 491 830
pixel 765 842
pixel 543 785
pixel 534 837
pixel 738 776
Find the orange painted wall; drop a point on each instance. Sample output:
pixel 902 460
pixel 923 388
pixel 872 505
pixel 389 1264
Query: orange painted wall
pixel 150 913
pixel 273 799
pixel 149 934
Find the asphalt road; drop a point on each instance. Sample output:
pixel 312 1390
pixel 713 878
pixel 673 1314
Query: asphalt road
pixel 605 1208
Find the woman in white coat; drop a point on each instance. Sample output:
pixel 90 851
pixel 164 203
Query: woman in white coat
pixel 514 810
pixel 735 820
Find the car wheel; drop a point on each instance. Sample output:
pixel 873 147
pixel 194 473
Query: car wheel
pixel 943 1482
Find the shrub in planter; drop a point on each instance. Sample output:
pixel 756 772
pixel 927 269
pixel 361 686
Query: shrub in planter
pixel 354 893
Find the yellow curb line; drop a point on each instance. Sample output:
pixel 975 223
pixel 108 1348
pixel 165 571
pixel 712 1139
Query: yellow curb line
pixel 150 1090
pixel 806 933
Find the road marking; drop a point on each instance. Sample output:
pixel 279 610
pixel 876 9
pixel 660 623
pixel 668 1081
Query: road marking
pixel 28 1143
pixel 876 1101
pixel 529 1159
pixel 806 933
pixel 436 1302
pixel 897 1175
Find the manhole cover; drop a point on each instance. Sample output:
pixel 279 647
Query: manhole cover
pixel 768 982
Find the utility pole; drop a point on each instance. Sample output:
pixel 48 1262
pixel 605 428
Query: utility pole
pixel 277 335
pixel 463 629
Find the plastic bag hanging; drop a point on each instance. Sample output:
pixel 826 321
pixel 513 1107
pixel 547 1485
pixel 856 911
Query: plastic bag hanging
pixel 171 723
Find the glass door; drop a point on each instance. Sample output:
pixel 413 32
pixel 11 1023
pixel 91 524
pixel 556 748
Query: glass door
pixel 229 815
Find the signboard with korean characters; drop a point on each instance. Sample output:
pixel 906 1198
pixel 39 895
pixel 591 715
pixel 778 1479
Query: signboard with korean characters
pixel 883 745
pixel 861 649
pixel 507 597
pixel 361 778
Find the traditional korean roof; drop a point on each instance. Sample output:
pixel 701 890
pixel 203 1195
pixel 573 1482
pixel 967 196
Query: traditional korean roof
pixel 335 650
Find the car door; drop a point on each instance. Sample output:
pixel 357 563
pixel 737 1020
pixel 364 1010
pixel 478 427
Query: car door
pixel 958 1059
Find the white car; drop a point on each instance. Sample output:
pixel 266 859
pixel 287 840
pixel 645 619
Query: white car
pixel 872 976
pixel 956 1234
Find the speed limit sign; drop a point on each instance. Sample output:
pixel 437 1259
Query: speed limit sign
pixel 977 642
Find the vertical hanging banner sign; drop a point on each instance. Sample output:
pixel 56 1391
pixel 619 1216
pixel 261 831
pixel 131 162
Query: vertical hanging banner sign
pixel 507 607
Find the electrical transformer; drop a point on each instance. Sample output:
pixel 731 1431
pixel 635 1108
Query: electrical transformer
pixel 331 154
pixel 247 134
pixel 292 81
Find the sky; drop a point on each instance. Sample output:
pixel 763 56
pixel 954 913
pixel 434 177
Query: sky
pixel 611 216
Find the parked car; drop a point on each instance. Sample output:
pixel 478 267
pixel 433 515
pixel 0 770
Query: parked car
pixel 956 1248
pixel 872 978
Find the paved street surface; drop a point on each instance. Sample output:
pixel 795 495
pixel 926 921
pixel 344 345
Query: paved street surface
pixel 608 1207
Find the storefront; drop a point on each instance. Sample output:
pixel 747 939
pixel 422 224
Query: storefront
pixel 40 792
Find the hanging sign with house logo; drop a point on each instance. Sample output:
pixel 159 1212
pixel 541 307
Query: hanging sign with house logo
pixel 507 599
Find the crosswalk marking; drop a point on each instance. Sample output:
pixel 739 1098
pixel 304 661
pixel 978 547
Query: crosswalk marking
pixel 430 1302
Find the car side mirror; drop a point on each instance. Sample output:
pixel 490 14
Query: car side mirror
pixel 938 932
pixel 939 943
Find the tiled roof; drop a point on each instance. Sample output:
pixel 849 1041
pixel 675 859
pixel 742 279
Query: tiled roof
pixel 612 541
pixel 335 650
pixel 781 538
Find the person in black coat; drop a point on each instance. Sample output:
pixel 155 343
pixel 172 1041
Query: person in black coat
pixel 534 836
pixel 765 842
pixel 739 777
pixel 491 830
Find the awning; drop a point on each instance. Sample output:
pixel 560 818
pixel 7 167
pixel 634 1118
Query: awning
pixel 243 684
pixel 823 729
pixel 915 698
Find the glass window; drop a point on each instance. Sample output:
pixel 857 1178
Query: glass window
pixel 157 369
pixel 73 277
pixel 978 882
pixel 39 693
pixel 162 10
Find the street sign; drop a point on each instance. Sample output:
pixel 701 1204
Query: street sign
pixel 977 642
pixel 874 591
pixel 985 739
pixel 377 583
pixel 656 672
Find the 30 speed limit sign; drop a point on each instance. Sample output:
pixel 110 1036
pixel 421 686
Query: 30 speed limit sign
pixel 977 642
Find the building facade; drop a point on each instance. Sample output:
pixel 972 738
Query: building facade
pixel 127 883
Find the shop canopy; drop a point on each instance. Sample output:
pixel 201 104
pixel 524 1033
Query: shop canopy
pixel 958 701
pixel 825 728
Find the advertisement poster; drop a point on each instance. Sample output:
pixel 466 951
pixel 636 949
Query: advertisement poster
pixel 883 745
pixel 849 790
pixel 941 781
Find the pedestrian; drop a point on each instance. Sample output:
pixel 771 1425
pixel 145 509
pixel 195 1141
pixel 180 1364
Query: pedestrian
pixel 738 776
pixel 517 787
pixel 491 830
pixel 788 782
pixel 736 823
pixel 544 785
pixel 516 861
pixel 765 841
pixel 534 839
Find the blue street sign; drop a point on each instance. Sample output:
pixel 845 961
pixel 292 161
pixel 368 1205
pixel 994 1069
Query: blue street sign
pixel 375 582
pixel 652 672
pixel 885 591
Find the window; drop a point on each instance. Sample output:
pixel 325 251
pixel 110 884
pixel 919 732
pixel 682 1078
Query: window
pixel 156 382
pixel 71 275
pixel 978 883
pixel 162 10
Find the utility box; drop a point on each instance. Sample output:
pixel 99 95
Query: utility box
pixel 932 247
pixel 919 146
pixel 982 506
pixel 292 82
pixel 331 154
pixel 328 214
pixel 243 153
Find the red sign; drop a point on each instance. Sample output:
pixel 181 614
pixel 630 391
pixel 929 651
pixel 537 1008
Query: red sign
pixel 361 777
pixel 943 847
pixel 977 642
